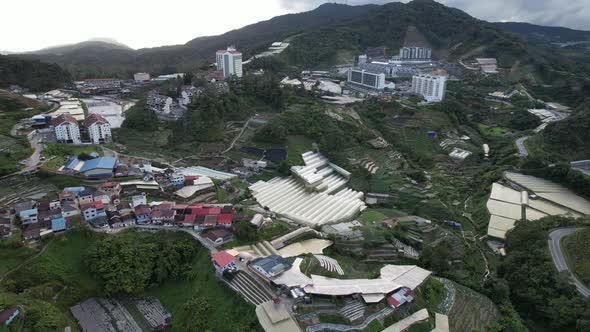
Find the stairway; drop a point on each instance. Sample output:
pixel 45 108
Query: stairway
pixel 250 289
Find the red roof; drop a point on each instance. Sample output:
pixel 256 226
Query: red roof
pixel 395 303
pixel 214 210
pixel 63 118
pixel 190 218
pixel 225 219
pixel 97 205
pixel 210 220
pixel 95 118
pixel 109 184
pixel 223 258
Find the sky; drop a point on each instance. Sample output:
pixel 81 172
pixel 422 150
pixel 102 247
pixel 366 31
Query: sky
pixel 34 24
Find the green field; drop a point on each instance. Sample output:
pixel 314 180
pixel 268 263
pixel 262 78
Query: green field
pixel 296 145
pixel 492 131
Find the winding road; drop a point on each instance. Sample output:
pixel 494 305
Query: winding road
pixel 555 238
pixel 522 151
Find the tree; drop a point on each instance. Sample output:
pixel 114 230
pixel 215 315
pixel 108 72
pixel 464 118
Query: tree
pixel 245 231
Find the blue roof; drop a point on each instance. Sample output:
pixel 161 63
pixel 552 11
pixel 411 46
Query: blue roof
pixel 58 224
pixel 74 189
pixel 28 213
pixel 72 163
pixel 103 163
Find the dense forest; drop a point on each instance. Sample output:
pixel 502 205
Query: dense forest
pixel 571 136
pixel 32 74
pixel 544 298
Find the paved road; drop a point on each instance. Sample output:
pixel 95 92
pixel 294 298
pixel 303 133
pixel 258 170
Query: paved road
pixel 522 151
pixel 558 259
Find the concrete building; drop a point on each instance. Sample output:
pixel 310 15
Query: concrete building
pixel 431 87
pixel 367 79
pixel 141 77
pixel 229 61
pixel 66 129
pixel 487 65
pixel 99 129
pixel 415 53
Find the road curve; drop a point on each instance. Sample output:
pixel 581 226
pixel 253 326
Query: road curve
pixel 522 151
pixel 559 260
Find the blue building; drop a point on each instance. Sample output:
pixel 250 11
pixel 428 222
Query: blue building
pixel 58 224
pixel 93 168
pixel 8 315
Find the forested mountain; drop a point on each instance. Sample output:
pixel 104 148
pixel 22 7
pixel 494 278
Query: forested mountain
pixel 104 43
pixel 32 74
pixel 544 34
pixel 96 60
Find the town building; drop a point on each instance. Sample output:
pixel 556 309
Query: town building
pixel 66 129
pixel 431 87
pixel 94 168
pixel 487 65
pixel 366 78
pixel 229 61
pixel 223 261
pixel 415 53
pixel 99 129
pixel 219 236
pixel 141 77
pixel 93 210
pixel 269 267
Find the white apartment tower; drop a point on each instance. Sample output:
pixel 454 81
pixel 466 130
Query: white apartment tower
pixel 66 129
pixel 431 87
pixel 99 129
pixel 229 61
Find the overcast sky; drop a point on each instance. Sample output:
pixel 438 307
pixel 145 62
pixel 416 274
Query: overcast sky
pixel 28 25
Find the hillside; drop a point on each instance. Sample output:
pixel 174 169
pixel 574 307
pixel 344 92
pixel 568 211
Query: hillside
pixel 32 74
pixel 544 34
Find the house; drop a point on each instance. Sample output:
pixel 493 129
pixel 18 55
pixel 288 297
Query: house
pixel 400 297
pixel 93 210
pixel 58 224
pixel 31 233
pixel 54 205
pixel 143 214
pixel 22 206
pixel 8 315
pixel 139 200
pixel 269 267
pixel 102 197
pixel 85 197
pixel 163 213
pixel 29 216
pixel 219 236
pixel 111 188
pixel 67 196
pixel 100 222
pixel 69 209
pixel 223 261
pixel 99 129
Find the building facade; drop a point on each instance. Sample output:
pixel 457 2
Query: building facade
pixel 141 77
pixel 66 129
pixel 229 62
pixel 431 87
pixel 415 53
pixel 367 79
pixel 99 129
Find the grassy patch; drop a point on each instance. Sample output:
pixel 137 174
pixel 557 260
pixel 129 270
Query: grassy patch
pixel 271 231
pixel 333 319
pixel 296 145
pixel 12 257
pixel 61 153
pixel 492 131
pixel 371 216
